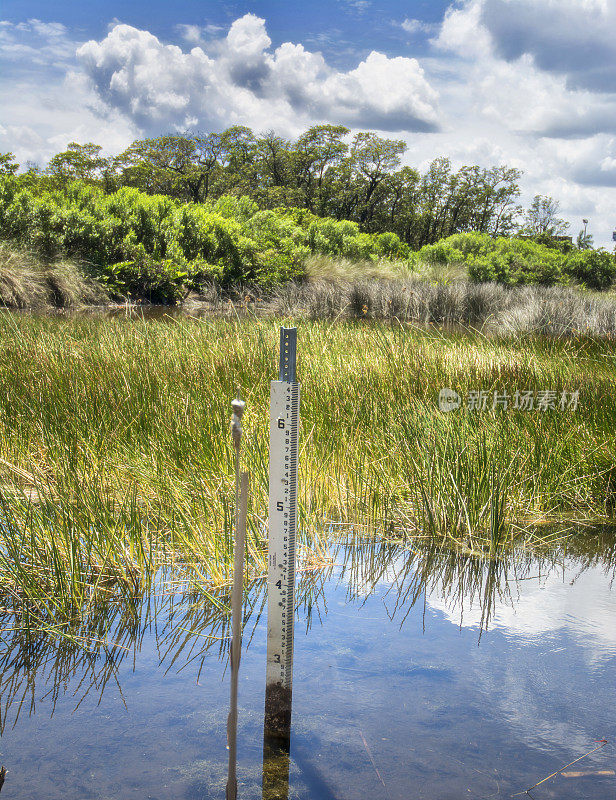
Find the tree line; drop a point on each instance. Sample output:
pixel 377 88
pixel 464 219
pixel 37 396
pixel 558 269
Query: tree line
pixel 324 170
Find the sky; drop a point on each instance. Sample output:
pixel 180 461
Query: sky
pixel 527 83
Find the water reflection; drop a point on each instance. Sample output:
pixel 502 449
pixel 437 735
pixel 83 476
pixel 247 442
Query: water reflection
pixel 391 686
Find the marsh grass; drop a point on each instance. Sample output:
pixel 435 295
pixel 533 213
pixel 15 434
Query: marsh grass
pixel 116 460
pixel 26 281
pixel 551 311
pixel 345 295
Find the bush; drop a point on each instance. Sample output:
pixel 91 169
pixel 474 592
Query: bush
pixel 156 248
pixel 440 253
pixel 515 262
pixel 593 268
pixel 147 279
pixel 521 261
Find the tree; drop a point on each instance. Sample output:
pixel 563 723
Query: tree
pixel 166 165
pixel 541 218
pixel 584 241
pixel 238 161
pixel 372 160
pixel 318 152
pixel 8 164
pixel 397 211
pixel 495 195
pixel 78 162
pixel 362 180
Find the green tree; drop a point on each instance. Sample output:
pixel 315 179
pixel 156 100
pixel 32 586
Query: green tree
pixel 173 165
pixel 238 161
pixel 78 162
pixel 541 218
pixel 8 164
pixel 373 159
pixel 314 159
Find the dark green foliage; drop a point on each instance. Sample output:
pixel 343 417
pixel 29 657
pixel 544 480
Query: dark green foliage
pixel 325 171
pixel 517 261
pixel 593 268
pixel 156 248
pixel 179 212
pixel 147 279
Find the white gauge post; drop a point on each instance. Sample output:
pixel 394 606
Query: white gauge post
pixel 283 455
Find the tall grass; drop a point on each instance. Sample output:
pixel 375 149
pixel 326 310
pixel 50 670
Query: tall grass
pixel 446 300
pixel 116 460
pixel 26 281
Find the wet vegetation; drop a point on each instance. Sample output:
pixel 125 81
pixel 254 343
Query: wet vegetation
pixel 185 629
pixel 116 461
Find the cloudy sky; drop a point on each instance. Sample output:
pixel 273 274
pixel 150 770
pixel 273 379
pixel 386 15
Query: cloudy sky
pixel 528 83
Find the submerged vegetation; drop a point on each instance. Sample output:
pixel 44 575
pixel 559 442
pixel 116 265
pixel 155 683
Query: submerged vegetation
pixel 116 464
pixel 186 629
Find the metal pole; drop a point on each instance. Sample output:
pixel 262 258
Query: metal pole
pixel 241 510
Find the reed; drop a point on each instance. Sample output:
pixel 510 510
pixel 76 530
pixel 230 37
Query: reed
pixel 115 460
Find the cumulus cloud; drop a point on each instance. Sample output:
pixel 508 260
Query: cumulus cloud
pixel 46 102
pixel 591 162
pixel 548 67
pixel 573 38
pixel 241 79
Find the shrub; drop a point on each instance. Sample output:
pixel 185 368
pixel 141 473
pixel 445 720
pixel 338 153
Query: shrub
pixel 519 261
pixel 147 279
pixel 593 268
pixel 516 262
pixel 232 207
pixel 388 245
pixel 442 252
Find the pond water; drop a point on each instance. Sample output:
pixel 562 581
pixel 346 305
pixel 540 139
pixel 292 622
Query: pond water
pixel 418 673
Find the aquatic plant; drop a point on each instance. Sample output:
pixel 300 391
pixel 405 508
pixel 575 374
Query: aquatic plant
pixel 116 462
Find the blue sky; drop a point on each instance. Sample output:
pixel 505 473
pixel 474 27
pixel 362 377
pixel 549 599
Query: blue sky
pixel 359 25
pixel 529 83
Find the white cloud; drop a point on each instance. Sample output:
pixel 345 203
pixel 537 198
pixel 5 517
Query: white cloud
pixel 358 6
pixel 197 34
pixel 34 42
pixel 572 38
pixel 240 79
pixel 415 26
pixel 575 38
pixel 46 102
pixel 462 32
pixel 574 605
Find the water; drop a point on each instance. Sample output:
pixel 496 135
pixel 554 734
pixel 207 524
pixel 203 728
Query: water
pixel 417 675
